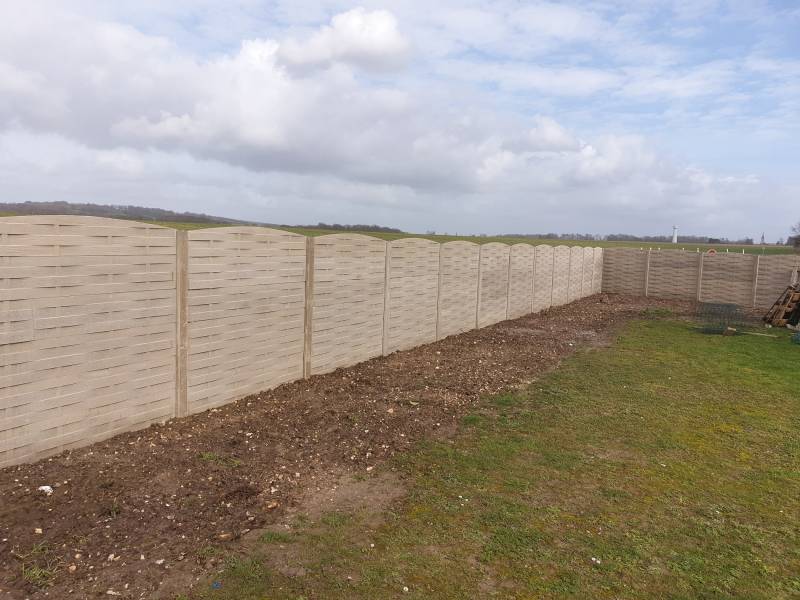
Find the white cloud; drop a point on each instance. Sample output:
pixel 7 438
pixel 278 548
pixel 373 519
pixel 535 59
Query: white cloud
pixel 370 40
pixel 487 116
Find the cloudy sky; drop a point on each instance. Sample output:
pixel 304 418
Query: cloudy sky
pixel 471 116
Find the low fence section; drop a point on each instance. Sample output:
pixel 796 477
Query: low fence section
pixel 749 280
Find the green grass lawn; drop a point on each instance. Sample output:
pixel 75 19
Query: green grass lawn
pixel 665 466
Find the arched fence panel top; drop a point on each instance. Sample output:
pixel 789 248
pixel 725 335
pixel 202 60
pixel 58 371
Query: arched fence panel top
pixel 495 247
pixel 463 244
pixel 342 239
pixel 413 242
pixel 83 221
pixel 43 235
pixel 242 231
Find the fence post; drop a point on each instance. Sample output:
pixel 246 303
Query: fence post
pixel 308 314
pixel 700 277
pixel 508 282
pixel 387 271
pixel 647 273
pixel 756 265
pixel 478 290
pixel 438 293
pixel 533 279
pixel 181 408
pixel 552 275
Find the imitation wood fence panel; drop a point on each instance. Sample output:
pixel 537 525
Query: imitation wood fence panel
pixel 412 294
pixel 348 300
pixel 753 281
pixel 108 326
pixel 87 344
pixel 493 285
pixel 520 280
pixel 561 275
pixel 246 303
pixel 543 277
pixel 458 288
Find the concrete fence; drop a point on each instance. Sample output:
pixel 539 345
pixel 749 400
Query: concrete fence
pixel 749 280
pixel 108 326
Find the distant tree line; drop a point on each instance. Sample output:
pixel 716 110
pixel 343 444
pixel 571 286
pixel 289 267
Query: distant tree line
pixel 626 237
pixel 141 213
pixel 339 227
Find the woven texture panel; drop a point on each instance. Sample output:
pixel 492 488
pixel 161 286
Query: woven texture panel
pixel 728 278
pixel 588 272
pixel 349 280
pixel 542 277
pixel 246 301
pixel 673 274
pixel 774 274
pixel 412 293
pixel 520 289
pixel 458 288
pixel 597 274
pixel 561 275
pixel 575 273
pixel 87 307
pixel 493 297
pixel 624 271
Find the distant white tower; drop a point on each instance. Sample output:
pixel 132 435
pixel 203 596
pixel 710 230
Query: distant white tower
pixel 674 234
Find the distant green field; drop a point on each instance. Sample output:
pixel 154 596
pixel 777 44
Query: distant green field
pixel 313 232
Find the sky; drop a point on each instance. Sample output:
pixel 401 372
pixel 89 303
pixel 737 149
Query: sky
pixel 461 117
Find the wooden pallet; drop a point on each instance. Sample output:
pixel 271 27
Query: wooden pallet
pixel 786 309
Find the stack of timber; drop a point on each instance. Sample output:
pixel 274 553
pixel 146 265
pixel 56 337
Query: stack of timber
pixel 786 310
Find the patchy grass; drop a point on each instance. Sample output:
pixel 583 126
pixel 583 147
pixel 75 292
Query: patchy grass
pixel 225 461
pixel 665 466
pixel 39 566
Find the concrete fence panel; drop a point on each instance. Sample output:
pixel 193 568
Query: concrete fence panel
pixel 246 302
pixel 520 286
pixel 411 294
pixel 597 274
pixel 493 285
pixel 588 272
pixel 458 288
pixel 542 277
pixel 624 271
pixel 728 278
pixel 774 274
pixel 87 307
pixel 575 273
pixel 673 274
pixel 561 275
pixel 347 301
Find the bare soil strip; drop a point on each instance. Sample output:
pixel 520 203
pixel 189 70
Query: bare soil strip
pixel 132 517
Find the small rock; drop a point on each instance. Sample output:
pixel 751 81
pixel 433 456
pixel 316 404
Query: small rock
pixel 38 531
pixel 45 489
